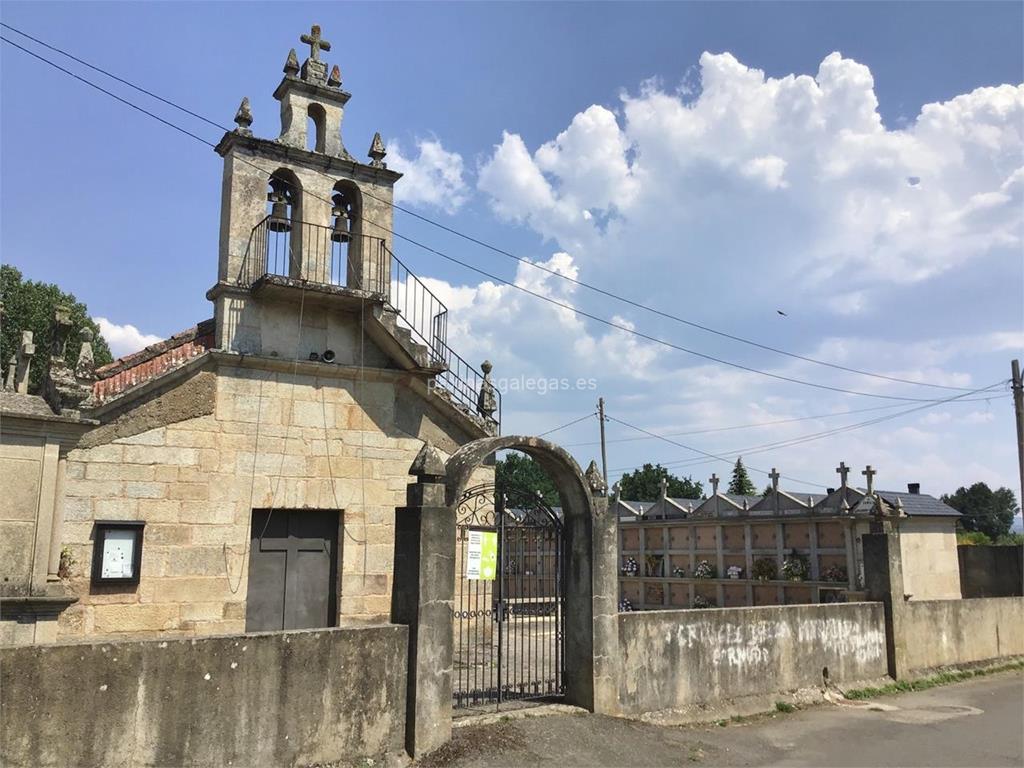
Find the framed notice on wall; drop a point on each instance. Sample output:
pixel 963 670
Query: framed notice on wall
pixel 482 555
pixel 117 551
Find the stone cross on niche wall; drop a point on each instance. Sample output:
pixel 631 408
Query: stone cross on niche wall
pixel 714 484
pixel 315 42
pixel 870 473
pixel 774 475
pixel 843 471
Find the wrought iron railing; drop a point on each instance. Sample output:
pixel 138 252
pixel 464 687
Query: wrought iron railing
pixel 309 252
pixel 417 307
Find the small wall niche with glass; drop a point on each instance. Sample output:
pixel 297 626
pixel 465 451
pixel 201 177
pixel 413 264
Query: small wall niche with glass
pixel 117 552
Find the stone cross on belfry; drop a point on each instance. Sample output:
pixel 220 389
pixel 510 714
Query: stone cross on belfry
pixel 843 471
pixel 315 42
pixel 870 473
pixel 714 484
pixel 774 475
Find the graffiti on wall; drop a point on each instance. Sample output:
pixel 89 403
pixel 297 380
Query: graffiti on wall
pixel 757 643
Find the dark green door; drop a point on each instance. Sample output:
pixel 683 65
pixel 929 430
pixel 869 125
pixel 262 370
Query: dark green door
pixel 293 570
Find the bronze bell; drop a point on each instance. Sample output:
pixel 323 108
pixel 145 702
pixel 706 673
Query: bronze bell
pixel 279 215
pixel 340 233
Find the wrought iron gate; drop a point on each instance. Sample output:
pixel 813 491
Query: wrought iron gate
pixel 508 631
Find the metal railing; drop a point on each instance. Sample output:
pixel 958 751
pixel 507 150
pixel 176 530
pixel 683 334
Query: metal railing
pixel 307 252
pixel 417 307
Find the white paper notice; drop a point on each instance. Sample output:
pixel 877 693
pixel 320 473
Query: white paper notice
pixel 118 555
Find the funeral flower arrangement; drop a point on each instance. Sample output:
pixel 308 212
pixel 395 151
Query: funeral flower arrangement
pixel 678 572
pixel 794 567
pixel 734 571
pixel 765 569
pixel 702 602
pixel 630 567
pixel 834 573
pixel 625 606
pixel 704 570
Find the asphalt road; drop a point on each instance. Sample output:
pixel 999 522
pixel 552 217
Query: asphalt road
pixel 976 723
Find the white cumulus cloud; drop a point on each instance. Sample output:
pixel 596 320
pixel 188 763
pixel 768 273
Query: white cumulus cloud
pixel 781 209
pixel 433 177
pixel 124 339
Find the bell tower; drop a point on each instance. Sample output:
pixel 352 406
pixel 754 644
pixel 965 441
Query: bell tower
pixel 299 211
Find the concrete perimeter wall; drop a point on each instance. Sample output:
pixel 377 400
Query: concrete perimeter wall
pixel 949 632
pixel 281 699
pixel 676 659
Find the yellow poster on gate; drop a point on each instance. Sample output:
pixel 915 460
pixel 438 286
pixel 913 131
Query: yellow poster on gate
pixel 482 555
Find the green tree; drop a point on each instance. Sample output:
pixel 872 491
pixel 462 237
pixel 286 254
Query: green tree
pixel 29 306
pixel 984 510
pixel 741 484
pixel 644 484
pixel 517 470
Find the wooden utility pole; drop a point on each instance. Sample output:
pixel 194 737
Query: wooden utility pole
pixel 1018 406
pixel 604 453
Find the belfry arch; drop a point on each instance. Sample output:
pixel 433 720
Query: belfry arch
pixel 424 589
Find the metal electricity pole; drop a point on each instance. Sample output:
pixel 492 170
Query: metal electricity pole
pixel 1018 406
pixel 604 453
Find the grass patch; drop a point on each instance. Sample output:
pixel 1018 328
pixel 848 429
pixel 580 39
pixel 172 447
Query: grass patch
pixel 784 706
pixel 943 678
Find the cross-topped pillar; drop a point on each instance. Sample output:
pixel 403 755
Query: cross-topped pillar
pixel 26 350
pixel 870 473
pixel 774 476
pixel 714 484
pixel 664 487
pixel 843 471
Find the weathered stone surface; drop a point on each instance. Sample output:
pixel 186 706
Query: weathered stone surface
pixel 296 698
pixel 941 633
pixel 192 398
pixel 682 659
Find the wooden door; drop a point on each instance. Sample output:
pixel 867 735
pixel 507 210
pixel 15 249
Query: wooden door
pixel 293 570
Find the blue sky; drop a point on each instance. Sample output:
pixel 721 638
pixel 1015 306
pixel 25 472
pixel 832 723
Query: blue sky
pixel 696 202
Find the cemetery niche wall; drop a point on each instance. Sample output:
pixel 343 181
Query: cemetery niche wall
pixel 782 548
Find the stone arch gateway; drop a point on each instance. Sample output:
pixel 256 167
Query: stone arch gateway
pixel 424 589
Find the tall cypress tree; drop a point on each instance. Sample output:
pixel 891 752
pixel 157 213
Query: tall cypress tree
pixel 741 484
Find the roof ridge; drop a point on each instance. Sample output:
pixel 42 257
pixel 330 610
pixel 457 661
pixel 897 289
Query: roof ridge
pixel 200 329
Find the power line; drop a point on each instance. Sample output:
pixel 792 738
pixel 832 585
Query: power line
pixel 698 450
pixel 563 305
pixel 575 421
pixel 522 260
pixel 760 424
pixel 792 441
pixel 819 435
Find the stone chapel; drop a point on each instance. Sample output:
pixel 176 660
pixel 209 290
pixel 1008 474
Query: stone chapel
pixel 243 475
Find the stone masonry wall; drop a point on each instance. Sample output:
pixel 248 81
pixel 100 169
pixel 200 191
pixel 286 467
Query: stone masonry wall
pixel 195 483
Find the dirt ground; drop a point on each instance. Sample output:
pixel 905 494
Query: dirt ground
pixel 975 723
